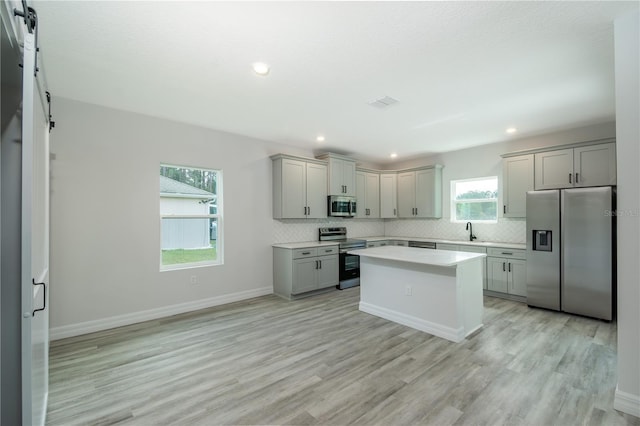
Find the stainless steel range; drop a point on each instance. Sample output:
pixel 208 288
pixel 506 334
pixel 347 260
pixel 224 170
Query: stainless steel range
pixel 349 263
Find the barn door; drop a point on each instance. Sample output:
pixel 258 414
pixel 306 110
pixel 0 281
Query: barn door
pixel 35 242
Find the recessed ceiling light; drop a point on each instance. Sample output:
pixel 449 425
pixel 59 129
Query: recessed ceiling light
pixel 320 138
pixel 511 130
pixel 261 68
pixel 393 155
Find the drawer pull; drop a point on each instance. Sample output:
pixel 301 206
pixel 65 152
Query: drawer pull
pixel 306 252
pixel 328 250
pixel 507 253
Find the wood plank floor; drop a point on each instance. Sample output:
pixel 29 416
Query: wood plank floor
pixel 321 361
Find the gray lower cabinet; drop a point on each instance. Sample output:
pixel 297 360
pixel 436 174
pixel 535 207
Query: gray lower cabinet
pixel 303 270
pixel 506 271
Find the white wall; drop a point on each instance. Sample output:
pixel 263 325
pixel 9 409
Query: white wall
pixel 105 221
pixel 479 162
pixel 627 59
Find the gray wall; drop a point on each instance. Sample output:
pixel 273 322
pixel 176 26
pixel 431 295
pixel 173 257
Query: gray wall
pixel 105 225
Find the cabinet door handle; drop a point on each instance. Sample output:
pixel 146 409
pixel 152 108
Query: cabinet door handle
pixel 504 209
pixel 416 211
pixel 308 210
pixel 570 178
pixel 316 264
pixel 576 178
pixel 394 212
pixel 503 267
pixel 509 266
pixel 320 261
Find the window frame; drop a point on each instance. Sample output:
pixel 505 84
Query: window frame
pixel 454 202
pixel 218 216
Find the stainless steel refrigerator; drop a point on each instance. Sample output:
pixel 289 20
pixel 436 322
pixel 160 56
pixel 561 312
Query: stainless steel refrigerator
pixel 571 250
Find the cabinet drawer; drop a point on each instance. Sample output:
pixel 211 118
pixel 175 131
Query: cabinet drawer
pixel 305 252
pixel 505 252
pixel 325 251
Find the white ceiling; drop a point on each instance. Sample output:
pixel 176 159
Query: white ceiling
pixel 462 71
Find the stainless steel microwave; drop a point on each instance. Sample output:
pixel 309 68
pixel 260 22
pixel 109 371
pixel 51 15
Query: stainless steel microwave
pixel 342 206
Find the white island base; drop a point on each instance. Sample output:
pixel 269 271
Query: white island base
pixel 436 291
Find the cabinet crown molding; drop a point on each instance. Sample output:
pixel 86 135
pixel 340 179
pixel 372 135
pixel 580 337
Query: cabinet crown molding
pixel 296 157
pixel 327 155
pixel 558 147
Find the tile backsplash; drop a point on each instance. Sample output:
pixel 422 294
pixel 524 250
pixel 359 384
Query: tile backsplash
pixel 505 231
pixel 299 230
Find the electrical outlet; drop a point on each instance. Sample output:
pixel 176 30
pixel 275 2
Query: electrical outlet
pixel 194 279
pixel 407 290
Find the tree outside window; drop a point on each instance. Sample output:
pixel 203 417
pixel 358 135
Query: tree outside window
pixel 474 200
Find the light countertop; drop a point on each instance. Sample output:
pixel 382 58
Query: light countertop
pixel 444 258
pixel 305 244
pixel 520 246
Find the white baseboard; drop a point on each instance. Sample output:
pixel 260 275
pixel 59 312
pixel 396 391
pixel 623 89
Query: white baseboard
pixel 452 334
pixel 627 403
pixel 64 331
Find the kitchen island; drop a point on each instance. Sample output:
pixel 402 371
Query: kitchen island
pixel 436 291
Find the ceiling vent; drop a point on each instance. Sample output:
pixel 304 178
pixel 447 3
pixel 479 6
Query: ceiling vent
pixel 383 102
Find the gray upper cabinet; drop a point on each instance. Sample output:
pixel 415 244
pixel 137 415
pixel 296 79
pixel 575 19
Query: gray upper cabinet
pixel 517 179
pixel 595 165
pixel 420 193
pixel 590 165
pixel 342 175
pixel 367 194
pixel 388 197
pixel 299 188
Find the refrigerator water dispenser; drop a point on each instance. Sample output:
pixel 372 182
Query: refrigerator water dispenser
pixel 541 240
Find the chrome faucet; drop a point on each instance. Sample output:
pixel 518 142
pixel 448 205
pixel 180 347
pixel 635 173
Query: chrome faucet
pixel 470 229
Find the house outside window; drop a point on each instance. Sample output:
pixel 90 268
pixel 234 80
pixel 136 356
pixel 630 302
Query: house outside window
pixel 190 217
pixel 475 200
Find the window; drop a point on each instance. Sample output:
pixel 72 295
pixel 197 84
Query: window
pixel 190 217
pixel 474 200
